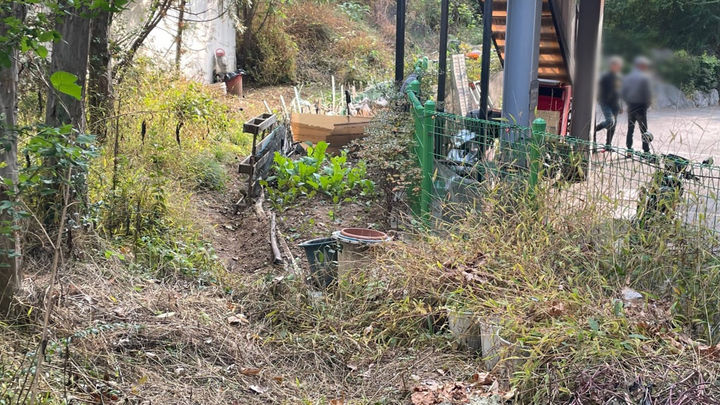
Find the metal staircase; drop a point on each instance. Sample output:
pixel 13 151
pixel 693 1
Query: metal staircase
pixel 552 63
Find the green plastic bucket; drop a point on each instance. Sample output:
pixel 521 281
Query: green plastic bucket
pixel 322 255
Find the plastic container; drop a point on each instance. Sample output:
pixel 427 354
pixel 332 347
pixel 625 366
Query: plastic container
pixel 364 234
pixel 322 255
pixel 235 85
pixel 355 246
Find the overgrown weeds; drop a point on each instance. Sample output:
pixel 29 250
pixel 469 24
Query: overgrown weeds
pixel 558 288
pixel 388 150
pixel 173 139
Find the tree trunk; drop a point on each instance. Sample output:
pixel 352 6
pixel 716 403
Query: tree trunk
pixel 179 38
pixel 69 54
pixel 9 242
pixel 100 76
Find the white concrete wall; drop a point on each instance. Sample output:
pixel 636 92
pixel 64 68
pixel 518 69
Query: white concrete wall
pixel 207 27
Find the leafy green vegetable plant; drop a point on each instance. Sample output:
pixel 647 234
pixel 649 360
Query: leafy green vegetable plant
pixel 316 172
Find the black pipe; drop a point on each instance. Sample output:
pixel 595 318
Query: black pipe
pixel 485 73
pixel 400 42
pixel 442 61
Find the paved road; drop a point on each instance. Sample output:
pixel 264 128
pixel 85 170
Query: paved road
pixel 692 133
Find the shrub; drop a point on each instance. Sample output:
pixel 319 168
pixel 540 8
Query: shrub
pixel 691 72
pixel 331 43
pixel 142 192
pixel 388 151
pixel 708 72
pixel 275 60
pixel 356 11
pixel 265 50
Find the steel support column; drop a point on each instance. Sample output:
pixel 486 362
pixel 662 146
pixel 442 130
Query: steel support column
pixel 486 51
pixel 400 42
pixel 522 48
pixel 589 22
pixel 442 54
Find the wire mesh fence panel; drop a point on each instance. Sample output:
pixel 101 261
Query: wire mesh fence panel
pixel 472 156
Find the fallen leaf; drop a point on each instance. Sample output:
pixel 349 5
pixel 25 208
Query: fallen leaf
pixel 710 351
pixel 278 379
pixel 423 398
pixel 483 378
pixel 338 401
pixel 249 371
pixel 630 295
pixel 557 309
pixel 508 395
pixel 165 315
pixel 239 319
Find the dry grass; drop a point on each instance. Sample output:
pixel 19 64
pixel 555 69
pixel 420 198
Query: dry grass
pixel 331 43
pixel 263 337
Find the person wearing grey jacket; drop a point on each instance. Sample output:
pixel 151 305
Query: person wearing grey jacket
pixel 636 94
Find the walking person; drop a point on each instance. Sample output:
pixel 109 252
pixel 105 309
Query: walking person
pixel 636 94
pixel 609 99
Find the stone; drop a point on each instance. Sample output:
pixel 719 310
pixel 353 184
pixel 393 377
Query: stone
pixel 630 295
pixel 714 97
pixel 669 96
pixel 701 99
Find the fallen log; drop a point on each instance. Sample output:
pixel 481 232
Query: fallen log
pixel 295 269
pixel 277 257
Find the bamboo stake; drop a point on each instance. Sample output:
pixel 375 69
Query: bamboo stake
pixel 284 106
pixel 342 92
pixel 297 99
pixel 333 91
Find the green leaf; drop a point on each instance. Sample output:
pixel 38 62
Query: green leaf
pixel 638 336
pixel 593 324
pixel 41 51
pixel 66 83
pixel 46 36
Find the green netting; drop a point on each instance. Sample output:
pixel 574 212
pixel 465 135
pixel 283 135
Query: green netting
pixel 467 156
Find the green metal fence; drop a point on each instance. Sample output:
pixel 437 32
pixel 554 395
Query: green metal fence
pixel 461 158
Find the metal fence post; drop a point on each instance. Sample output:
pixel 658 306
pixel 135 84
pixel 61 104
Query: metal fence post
pixel 536 143
pixel 428 146
pixel 418 113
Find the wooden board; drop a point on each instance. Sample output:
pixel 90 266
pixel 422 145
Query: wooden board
pixel 333 129
pixel 552 119
pixel 462 85
pixel 259 167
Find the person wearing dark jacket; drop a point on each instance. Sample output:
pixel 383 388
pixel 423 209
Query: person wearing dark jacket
pixel 609 99
pixel 637 96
